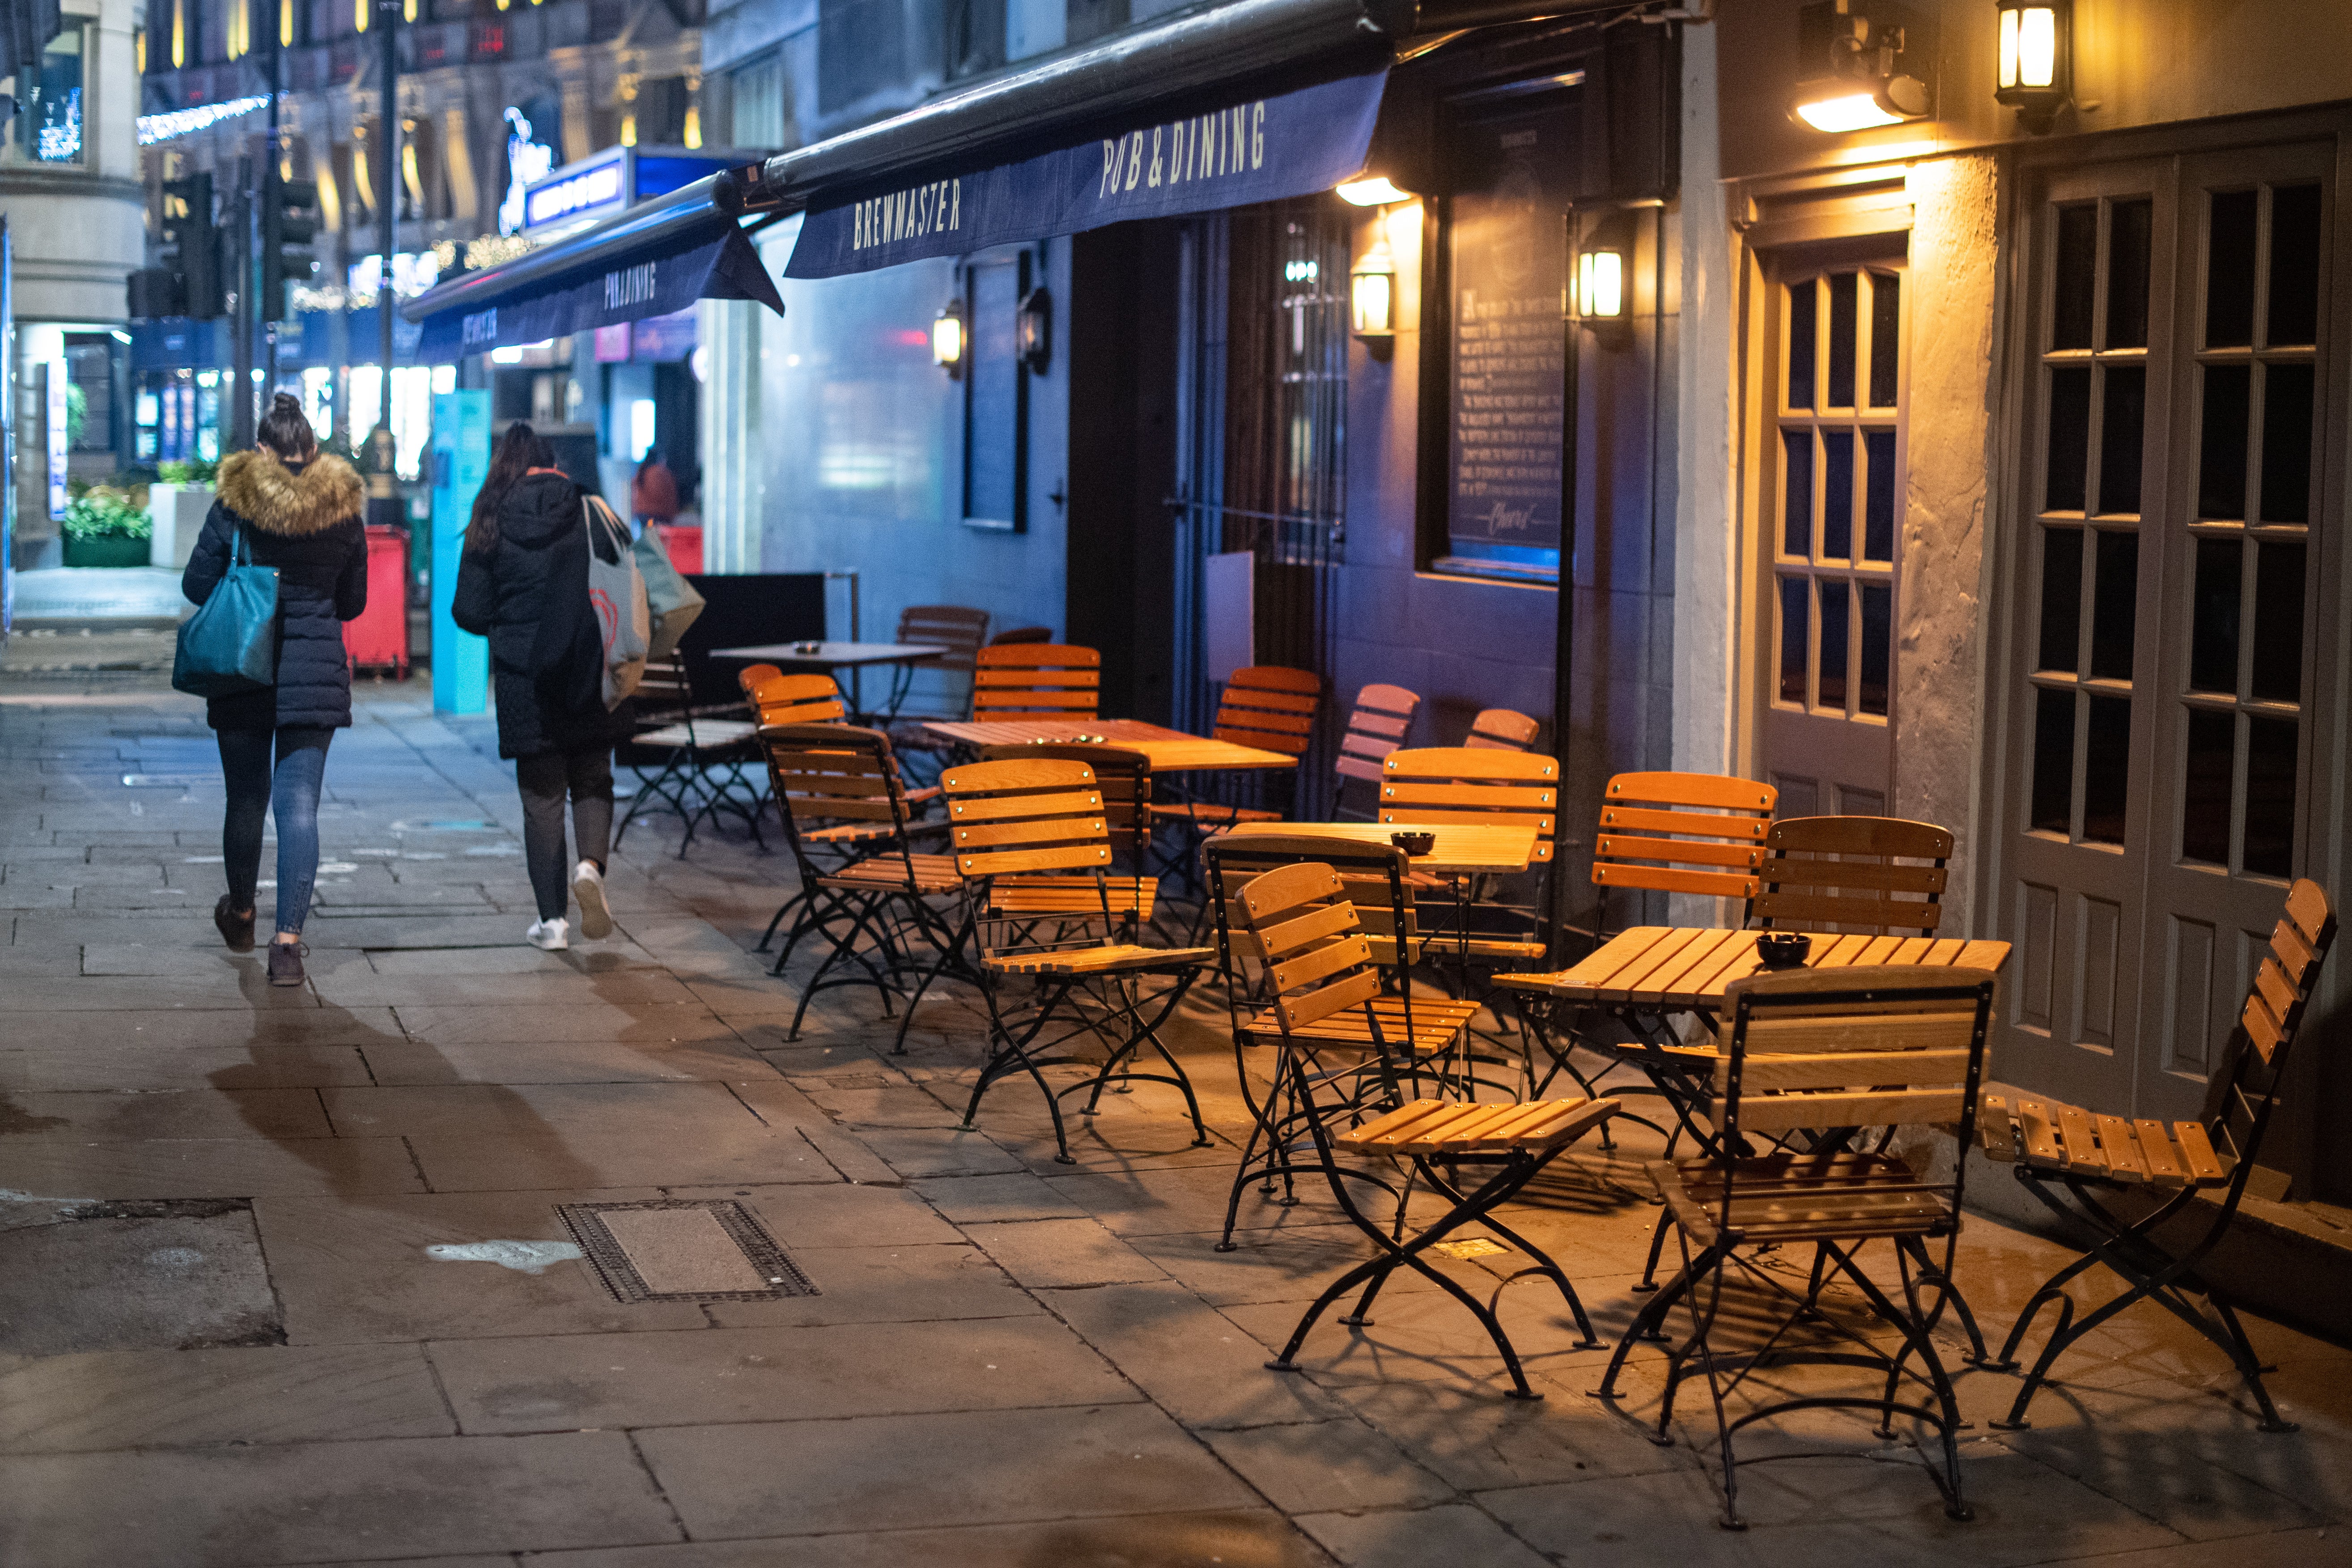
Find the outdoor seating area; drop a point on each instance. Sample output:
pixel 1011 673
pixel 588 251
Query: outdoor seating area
pixel 1408 1041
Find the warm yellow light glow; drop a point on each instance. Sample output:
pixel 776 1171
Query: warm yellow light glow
pixel 139 48
pixel 285 23
pixel 628 131
pixel 239 28
pixel 1853 111
pixel 947 340
pixel 1372 303
pixel 414 180
pixel 2008 47
pixel 408 10
pixel 1375 192
pixel 360 9
pixel 2037 46
pixel 1601 283
pixel 179 33
pixel 692 136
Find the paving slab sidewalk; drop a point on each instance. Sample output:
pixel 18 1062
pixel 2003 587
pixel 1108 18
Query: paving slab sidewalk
pixel 294 1284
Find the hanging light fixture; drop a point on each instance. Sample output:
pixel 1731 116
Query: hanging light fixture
pixel 2036 68
pixel 1371 292
pixel 1852 55
pixel 947 339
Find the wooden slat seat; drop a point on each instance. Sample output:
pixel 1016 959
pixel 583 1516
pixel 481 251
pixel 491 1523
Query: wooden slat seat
pixel 1799 1197
pixel 1131 897
pixel 1433 1026
pixel 1110 958
pixel 701 735
pixel 1443 1127
pixel 931 874
pixel 2049 1135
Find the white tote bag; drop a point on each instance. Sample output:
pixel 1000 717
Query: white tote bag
pixel 616 591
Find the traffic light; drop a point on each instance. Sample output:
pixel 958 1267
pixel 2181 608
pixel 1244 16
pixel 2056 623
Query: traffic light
pixel 289 222
pixel 189 282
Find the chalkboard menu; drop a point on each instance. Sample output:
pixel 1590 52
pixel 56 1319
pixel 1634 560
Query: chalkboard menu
pixel 1508 270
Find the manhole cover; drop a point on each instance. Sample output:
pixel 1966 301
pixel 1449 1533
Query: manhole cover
pixel 676 1249
pixel 180 1275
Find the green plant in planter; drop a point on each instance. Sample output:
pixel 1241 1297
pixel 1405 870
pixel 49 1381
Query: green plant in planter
pixel 104 512
pixel 190 472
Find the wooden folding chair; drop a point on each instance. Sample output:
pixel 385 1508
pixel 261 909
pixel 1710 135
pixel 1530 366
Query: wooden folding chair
pixel 1376 726
pixel 1012 821
pixel 1501 729
pixel 1014 635
pixel 838 776
pixel 781 699
pixel 1482 786
pixel 750 674
pixel 1124 779
pixel 1036 680
pixel 1421 1031
pixel 1323 981
pixel 937 689
pixel 2077 1162
pixel 684 749
pixel 1822 1051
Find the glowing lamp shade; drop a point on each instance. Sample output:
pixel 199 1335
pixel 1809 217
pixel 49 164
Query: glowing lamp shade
pixel 1601 284
pixel 1371 294
pixel 1377 191
pixel 947 339
pixel 2036 66
pixel 1849 111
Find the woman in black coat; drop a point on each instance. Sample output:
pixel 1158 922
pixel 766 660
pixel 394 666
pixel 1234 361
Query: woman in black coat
pixel 522 583
pixel 299 512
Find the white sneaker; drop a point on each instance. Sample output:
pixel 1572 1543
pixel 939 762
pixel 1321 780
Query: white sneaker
pixel 553 935
pixel 595 914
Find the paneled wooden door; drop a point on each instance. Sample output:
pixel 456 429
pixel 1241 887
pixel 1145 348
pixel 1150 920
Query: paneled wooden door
pixel 1835 465
pixel 2153 800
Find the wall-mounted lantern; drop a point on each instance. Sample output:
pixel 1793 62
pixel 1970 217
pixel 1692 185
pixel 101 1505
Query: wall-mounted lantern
pixel 1850 54
pixel 1371 294
pixel 2037 59
pixel 1372 190
pixel 1034 329
pixel 1601 284
pixel 947 339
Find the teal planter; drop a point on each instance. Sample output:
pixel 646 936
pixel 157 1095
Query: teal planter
pixel 113 550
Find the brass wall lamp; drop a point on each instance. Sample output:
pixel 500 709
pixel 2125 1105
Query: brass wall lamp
pixel 2036 69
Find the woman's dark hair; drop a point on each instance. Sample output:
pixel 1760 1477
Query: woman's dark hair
pixel 521 449
pixel 653 459
pixel 286 432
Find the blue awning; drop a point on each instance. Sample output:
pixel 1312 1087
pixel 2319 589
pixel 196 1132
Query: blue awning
pixel 1261 149
pixel 658 258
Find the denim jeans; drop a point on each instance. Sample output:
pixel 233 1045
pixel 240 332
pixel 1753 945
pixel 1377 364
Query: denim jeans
pixel 291 791
pixel 586 775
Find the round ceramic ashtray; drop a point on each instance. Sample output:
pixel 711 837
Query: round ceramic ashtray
pixel 1783 950
pixel 1415 843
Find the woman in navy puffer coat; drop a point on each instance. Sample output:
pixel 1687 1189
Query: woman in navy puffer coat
pixel 299 512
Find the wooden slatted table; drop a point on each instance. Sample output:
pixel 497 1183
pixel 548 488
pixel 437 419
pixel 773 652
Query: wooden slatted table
pixel 1461 850
pixel 1673 968
pixel 1170 751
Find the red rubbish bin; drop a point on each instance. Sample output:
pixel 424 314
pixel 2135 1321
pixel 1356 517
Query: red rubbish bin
pixel 684 545
pixel 379 637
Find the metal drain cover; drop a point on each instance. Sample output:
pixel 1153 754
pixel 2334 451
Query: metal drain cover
pixel 678 1249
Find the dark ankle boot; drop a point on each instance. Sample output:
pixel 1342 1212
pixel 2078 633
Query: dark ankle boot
pixel 286 963
pixel 236 930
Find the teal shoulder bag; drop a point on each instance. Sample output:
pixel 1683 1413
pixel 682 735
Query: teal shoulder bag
pixel 229 645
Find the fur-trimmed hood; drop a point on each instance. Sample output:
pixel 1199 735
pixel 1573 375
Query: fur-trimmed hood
pixel 262 490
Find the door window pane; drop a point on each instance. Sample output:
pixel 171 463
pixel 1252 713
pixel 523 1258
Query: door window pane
pixel 1796 613
pixel 2113 604
pixel 1797 496
pixel 1803 297
pixel 2287 443
pixel 2120 421
pixel 2205 810
pixel 2229 272
pixel 2294 266
pixel 2127 257
pixel 1878 518
pixel 2077 280
pixel 1844 323
pixel 2213 628
pixel 2070 440
pixel 2221 456
pixel 2278 623
pixel 1837 495
pixel 1886 339
pixel 2053 760
pixel 2062 599
pixel 2106 770
pixel 1835 641
pixel 2270 796
pixel 1877 647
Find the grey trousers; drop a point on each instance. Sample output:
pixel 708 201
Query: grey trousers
pixel 585 775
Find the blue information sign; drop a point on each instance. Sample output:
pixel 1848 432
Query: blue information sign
pixel 461 460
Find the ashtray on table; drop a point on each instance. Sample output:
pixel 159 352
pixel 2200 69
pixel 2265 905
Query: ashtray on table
pixel 1783 950
pixel 1415 844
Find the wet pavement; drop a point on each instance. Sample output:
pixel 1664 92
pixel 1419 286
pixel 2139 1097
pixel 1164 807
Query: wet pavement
pixel 252 1310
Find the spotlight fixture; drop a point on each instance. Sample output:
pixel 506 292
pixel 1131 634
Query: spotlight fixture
pixel 947 339
pixel 1372 190
pixel 2036 68
pixel 1850 54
